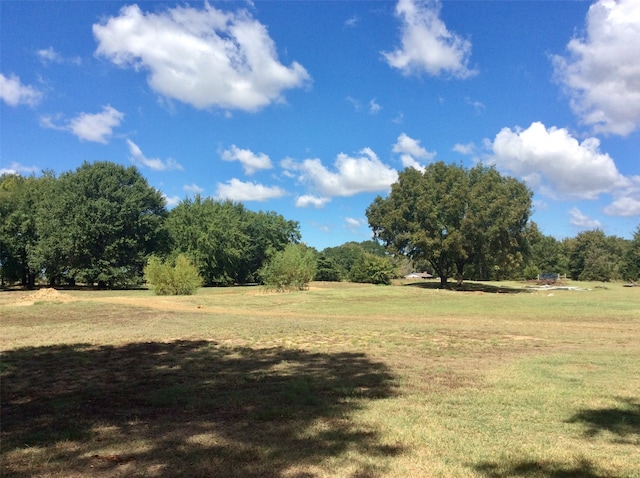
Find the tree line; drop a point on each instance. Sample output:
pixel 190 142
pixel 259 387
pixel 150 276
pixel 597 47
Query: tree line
pixel 102 223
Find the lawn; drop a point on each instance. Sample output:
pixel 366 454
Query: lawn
pixel 342 380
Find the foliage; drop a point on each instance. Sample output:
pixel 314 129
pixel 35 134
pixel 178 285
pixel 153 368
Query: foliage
pixel 632 259
pixel 18 235
pixel 96 224
pixel 227 242
pixel 373 269
pixel 454 217
pixel 345 256
pixel 180 278
pixel 290 269
pixel 546 253
pixel 327 269
pixel 597 257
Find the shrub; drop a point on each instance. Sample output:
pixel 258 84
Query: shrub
pixel 290 269
pixel 370 268
pixel 180 278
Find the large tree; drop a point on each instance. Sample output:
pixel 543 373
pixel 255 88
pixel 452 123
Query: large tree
pixel 100 223
pixel 19 199
pixel 597 257
pixel 451 216
pixel 227 242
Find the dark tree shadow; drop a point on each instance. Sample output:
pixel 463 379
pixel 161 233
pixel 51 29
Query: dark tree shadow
pixel 540 469
pixel 468 287
pixel 187 408
pixel 622 421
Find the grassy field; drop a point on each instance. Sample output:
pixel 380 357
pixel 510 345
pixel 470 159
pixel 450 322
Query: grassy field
pixel 342 380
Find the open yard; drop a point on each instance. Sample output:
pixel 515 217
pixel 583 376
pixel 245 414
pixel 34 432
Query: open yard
pixel 342 380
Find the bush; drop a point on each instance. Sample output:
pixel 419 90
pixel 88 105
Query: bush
pixel 373 269
pixel 290 269
pixel 181 278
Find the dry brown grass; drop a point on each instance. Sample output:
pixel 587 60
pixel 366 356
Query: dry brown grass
pixel 341 380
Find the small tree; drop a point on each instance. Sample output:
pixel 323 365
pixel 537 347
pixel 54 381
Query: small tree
pixel 181 278
pixel 373 269
pixel 290 269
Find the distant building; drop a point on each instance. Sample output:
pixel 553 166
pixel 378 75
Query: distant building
pixel 419 275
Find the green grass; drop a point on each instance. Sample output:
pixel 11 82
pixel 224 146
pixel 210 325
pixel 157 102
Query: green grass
pixel 341 380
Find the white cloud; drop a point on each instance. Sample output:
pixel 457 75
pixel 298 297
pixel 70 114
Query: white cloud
pixel 14 93
pixel 365 173
pixel 353 223
pixel 203 57
pixel 354 102
pixel 352 21
pixel 466 149
pixel 17 168
pixel 427 45
pixel 602 68
pixel 237 190
pixel 624 206
pixel 374 107
pixel 97 127
pixel 578 219
pixel 311 201
pixel 193 188
pixel 49 55
pixel 250 161
pixel 139 159
pixel 410 151
pixel 171 201
pixel 557 161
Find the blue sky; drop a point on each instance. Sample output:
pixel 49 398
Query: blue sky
pixel 310 108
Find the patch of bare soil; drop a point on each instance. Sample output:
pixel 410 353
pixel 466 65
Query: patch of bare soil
pixel 44 295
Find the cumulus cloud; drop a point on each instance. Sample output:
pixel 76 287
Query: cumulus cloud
pixel 311 201
pixel 410 152
pixel 250 161
pixel 427 45
pixel 466 149
pixel 354 224
pixel 17 168
pixel 582 221
pixel 97 127
pixel 602 68
pixel 236 190
pixel 14 93
pixel 139 159
pixel 193 188
pixel 204 57
pixel 552 159
pixel 624 206
pixel 352 175
pixel 171 201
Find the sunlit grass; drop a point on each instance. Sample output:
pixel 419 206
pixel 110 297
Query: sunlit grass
pixel 341 380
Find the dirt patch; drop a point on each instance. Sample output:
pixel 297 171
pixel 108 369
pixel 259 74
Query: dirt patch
pixel 44 295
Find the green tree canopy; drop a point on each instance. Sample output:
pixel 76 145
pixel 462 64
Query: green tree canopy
pixel 99 224
pixel 227 242
pixel 451 217
pixel 594 256
pixel 19 200
pixel 632 259
pixel 290 269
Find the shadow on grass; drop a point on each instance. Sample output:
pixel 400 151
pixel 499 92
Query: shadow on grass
pixel 186 408
pixel 468 287
pixel 622 421
pixel 540 469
